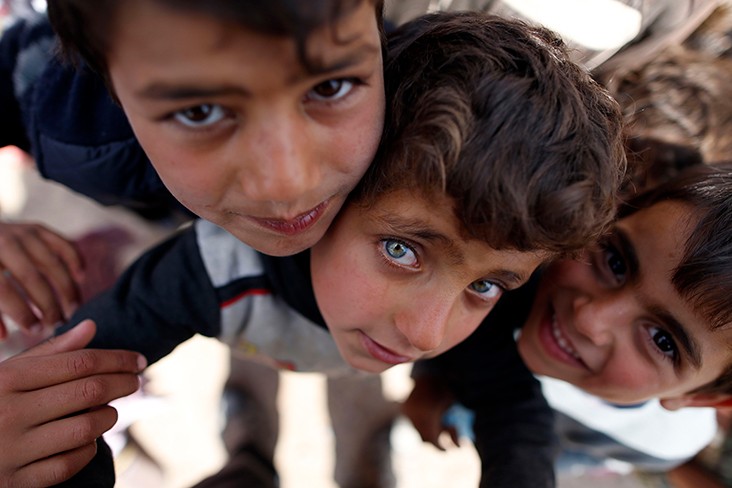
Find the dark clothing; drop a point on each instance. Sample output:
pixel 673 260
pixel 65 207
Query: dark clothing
pixel 205 281
pixel 66 119
pixel 513 423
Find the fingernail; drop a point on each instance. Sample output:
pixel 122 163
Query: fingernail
pixel 72 307
pixel 141 362
pixel 36 328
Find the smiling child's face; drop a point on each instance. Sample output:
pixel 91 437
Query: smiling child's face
pixel 239 130
pixel 397 281
pixel 613 324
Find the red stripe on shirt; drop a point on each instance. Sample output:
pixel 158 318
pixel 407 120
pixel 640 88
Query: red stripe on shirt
pixel 255 291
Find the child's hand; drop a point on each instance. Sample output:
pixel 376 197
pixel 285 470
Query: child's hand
pixel 425 407
pixel 40 273
pixel 53 406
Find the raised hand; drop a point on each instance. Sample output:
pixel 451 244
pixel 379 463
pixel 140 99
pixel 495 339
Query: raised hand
pixel 53 406
pixel 40 272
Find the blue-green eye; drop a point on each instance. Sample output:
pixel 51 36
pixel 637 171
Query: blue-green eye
pixel 202 115
pixel 486 289
pixel 399 252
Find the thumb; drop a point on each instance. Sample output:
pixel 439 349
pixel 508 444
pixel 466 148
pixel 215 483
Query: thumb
pixel 75 338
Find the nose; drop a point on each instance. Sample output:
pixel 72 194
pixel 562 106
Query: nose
pixel 425 323
pixel 597 319
pixel 283 158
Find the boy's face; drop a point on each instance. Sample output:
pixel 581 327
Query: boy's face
pixel 612 323
pixel 396 281
pixel 240 132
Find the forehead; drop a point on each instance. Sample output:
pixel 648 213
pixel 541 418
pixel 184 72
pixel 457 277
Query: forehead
pixel 152 29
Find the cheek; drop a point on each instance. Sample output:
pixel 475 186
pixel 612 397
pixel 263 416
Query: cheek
pixel 346 291
pixel 625 381
pixel 185 177
pixel 359 137
pixel 461 328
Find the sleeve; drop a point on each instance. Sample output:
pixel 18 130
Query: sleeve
pixel 514 431
pixel 64 115
pixel 23 47
pixel 163 299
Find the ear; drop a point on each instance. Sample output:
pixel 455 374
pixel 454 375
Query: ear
pixel 716 400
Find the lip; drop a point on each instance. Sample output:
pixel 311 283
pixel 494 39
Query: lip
pixel 556 343
pixel 296 225
pixel 381 353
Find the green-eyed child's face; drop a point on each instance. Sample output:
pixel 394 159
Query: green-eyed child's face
pixel 239 130
pixel 612 323
pixel 397 282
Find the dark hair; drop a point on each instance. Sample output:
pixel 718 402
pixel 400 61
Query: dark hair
pixel 84 26
pixel 493 113
pixel 704 273
pixel 682 97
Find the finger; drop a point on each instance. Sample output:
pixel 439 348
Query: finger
pixel 42 264
pixel 60 263
pixel 35 373
pixel 453 435
pixel 430 434
pixel 69 433
pixel 60 359
pixel 75 338
pixel 78 395
pixel 66 251
pixel 13 303
pixel 55 469
pixel 3 329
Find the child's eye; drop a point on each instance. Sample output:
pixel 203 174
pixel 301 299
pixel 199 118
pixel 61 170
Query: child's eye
pixel 399 252
pixel 486 289
pixel 332 90
pixel 664 342
pixel 613 261
pixel 198 116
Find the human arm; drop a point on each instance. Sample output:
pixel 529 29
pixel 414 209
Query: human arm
pixel 425 407
pixel 160 301
pixel 41 273
pixel 53 406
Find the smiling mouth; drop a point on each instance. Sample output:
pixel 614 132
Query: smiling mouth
pixel 562 341
pixel 294 226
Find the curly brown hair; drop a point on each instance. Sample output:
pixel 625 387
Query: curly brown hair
pixel 493 113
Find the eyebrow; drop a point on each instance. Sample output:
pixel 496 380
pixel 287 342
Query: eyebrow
pixel 418 229
pixel 181 91
pixel 690 347
pixel 171 91
pixel 352 58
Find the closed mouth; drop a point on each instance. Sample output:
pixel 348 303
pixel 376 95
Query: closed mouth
pixel 296 225
pixel 381 353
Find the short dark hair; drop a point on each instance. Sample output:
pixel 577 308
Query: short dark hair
pixel 704 273
pixel 84 26
pixel 493 113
